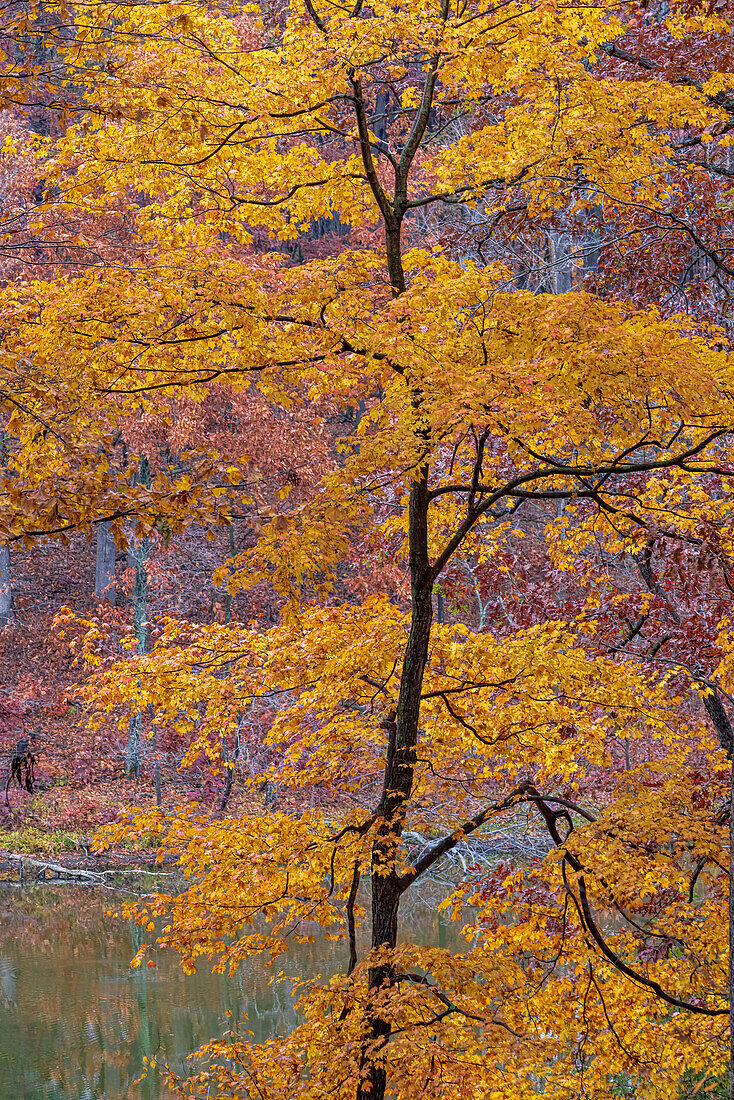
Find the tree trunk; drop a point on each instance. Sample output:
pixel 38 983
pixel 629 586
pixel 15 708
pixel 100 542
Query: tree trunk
pixel 7 613
pixel 227 593
pixel 140 628
pixel 158 798
pixel 402 729
pixel 104 573
pixel 134 743
pixel 720 720
pixel 130 555
pixel 232 765
pixel 402 724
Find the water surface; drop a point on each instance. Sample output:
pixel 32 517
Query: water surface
pixel 76 1021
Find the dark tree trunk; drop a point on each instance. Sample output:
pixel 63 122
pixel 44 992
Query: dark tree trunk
pixel 402 730
pixel 402 725
pixel 720 720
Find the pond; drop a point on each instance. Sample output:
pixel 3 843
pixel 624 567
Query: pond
pixel 76 1021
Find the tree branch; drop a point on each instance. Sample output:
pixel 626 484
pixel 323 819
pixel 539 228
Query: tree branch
pixel 448 842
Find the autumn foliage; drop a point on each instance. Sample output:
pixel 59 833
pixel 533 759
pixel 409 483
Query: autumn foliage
pixel 434 298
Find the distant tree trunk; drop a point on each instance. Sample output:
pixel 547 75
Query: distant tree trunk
pixel 104 573
pixel 232 764
pixel 140 628
pixel 131 555
pixel 271 795
pixel 228 594
pixel 134 742
pixel 7 613
pixel 158 798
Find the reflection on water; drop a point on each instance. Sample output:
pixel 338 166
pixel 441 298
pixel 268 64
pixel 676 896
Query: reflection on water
pixel 76 1022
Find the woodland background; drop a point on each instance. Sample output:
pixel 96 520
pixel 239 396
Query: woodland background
pixel 366 481
pixel 680 265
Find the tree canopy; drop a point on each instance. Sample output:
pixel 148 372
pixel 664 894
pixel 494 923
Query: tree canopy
pixel 557 421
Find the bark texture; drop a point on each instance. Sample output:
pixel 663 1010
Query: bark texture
pixel 7 612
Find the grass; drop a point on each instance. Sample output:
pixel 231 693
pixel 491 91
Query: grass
pixel 33 841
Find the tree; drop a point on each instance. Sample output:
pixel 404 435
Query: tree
pixel 140 630
pixel 6 588
pixel 481 401
pixel 104 566
pixel 7 613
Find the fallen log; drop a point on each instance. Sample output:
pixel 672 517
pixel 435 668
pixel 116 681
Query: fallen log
pixel 41 866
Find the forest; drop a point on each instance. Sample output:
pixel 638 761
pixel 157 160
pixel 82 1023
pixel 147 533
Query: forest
pixel 366 442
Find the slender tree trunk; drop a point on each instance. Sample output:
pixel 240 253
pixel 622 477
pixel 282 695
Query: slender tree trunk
pixel 240 718
pixel 131 555
pixel 134 744
pixel 233 764
pixel 104 573
pixel 402 725
pixel 227 593
pixel 402 729
pixel 158 798
pixel 7 612
pixel 720 720
pixel 140 628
